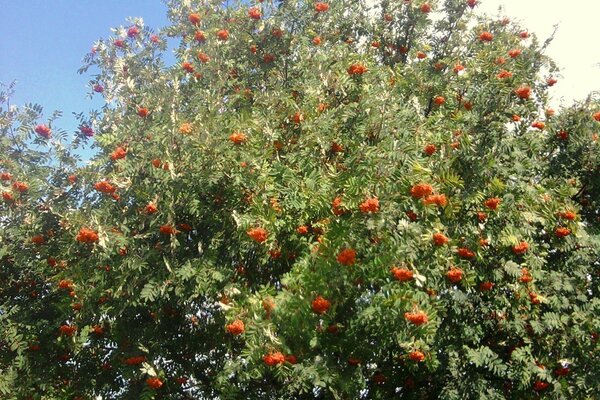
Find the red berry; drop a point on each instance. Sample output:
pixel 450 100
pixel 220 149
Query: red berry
pixel 320 305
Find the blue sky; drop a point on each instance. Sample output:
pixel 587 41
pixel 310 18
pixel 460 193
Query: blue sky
pixel 42 43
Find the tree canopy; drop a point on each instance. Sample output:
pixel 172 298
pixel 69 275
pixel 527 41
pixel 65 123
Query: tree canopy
pixel 330 200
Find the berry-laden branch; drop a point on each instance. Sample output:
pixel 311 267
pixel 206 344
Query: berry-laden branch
pixel 272 216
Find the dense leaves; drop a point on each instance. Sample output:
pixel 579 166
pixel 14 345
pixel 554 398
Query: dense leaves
pixel 318 200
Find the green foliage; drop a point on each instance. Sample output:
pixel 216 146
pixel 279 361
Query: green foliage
pixel 344 203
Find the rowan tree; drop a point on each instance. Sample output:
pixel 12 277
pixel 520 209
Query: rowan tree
pixel 317 200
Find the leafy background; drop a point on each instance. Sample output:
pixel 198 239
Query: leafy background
pixel 154 294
